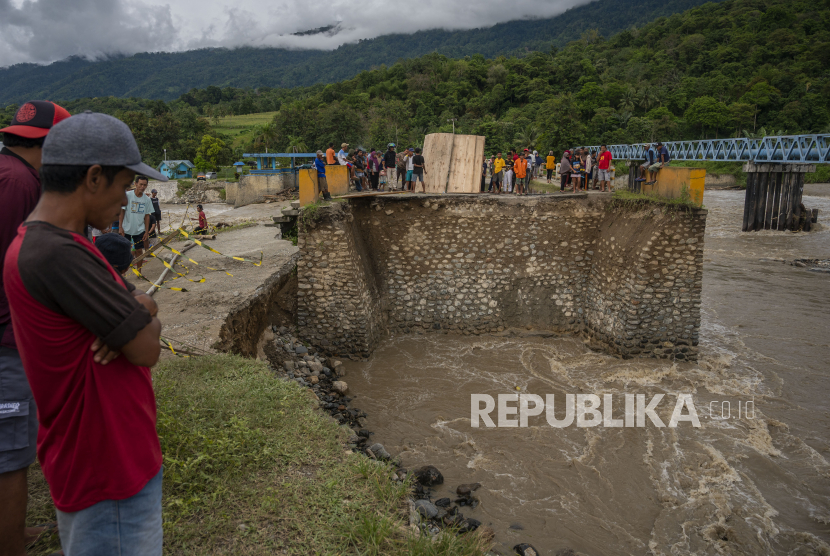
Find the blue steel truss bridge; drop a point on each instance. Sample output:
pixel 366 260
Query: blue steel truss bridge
pixel 783 149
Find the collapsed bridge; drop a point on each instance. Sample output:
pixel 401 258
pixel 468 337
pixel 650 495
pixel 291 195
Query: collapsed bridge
pixel 628 278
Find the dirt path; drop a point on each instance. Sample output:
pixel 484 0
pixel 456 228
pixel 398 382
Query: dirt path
pixel 196 316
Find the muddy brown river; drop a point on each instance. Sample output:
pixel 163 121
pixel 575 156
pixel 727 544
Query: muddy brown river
pixel 757 482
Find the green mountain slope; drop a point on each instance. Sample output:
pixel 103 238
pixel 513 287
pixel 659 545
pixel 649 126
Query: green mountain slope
pixel 168 75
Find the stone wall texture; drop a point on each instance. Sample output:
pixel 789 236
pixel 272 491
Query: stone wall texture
pixel 626 276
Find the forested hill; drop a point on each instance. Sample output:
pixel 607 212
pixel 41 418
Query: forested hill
pixel 718 70
pixel 168 75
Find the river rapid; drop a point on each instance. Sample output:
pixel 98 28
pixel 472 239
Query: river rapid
pixel 754 483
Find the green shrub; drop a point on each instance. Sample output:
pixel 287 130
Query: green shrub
pixel 183 186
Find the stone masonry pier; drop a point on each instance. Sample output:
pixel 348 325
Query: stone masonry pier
pixel 628 276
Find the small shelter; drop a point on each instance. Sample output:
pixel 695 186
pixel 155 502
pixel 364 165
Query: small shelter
pixel 239 166
pixel 176 169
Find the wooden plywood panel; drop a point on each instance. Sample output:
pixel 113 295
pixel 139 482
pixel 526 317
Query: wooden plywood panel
pixel 453 163
pixel 479 158
pixel 437 149
pixel 462 164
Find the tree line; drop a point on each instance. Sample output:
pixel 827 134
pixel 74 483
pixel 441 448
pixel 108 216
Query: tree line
pixel 717 70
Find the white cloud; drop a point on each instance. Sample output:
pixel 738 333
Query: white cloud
pixel 47 30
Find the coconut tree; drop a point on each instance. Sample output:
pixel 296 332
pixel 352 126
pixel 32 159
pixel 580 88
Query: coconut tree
pixel 528 137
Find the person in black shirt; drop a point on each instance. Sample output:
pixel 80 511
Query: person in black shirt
pixel 156 207
pixel 389 158
pixel 418 170
pixel 153 235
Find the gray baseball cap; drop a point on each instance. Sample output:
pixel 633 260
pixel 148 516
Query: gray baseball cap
pixel 92 138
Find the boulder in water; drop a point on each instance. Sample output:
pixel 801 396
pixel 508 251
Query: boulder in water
pixel 525 549
pixel 428 475
pixel 426 508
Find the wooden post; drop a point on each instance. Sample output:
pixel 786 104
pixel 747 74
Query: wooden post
pixel 749 214
pixel 784 202
pixel 750 191
pixel 788 221
pixel 774 180
pixel 632 175
pixel 761 205
pixel 776 201
pixel 798 191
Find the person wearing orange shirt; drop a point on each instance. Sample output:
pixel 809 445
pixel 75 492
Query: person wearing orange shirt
pixel 520 169
pixel 331 157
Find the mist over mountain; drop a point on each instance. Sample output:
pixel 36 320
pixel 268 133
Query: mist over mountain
pixel 167 76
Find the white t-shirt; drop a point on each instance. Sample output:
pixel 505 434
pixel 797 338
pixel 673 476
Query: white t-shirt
pixel 137 208
pixel 341 157
pixel 410 165
pixel 589 163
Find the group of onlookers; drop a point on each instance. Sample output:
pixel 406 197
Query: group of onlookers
pixel 656 156
pixel 579 169
pixel 583 170
pixel 511 174
pixel 374 170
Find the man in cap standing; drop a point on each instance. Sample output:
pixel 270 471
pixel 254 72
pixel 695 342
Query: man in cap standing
pixel 20 160
pixel 343 154
pixel 322 184
pixel 87 339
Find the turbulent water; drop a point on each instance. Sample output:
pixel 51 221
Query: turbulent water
pixel 737 485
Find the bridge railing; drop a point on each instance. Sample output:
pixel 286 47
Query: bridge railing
pixel 792 149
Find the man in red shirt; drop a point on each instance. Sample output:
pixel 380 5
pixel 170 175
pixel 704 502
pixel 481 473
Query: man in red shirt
pixel 604 168
pixel 19 192
pixel 87 339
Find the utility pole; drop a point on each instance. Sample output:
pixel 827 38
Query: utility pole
pixel 165 156
pixel 453 120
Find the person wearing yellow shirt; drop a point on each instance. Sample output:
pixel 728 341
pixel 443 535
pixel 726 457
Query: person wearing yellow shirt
pixel 498 173
pixel 550 164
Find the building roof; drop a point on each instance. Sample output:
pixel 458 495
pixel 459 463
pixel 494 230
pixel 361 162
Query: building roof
pixel 239 164
pixel 170 163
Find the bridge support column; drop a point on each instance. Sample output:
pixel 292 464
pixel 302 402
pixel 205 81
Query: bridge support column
pixel 773 195
pixel 633 184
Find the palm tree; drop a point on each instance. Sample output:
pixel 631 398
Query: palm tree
pixel 267 136
pixel 296 144
pixel 649 99
pixel 528 137
pixel 630 100
pixel 762 132
pixel 623 116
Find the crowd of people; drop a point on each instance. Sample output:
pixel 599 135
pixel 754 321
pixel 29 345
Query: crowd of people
pixel 77 340
pixel 579 169
pixel 374 170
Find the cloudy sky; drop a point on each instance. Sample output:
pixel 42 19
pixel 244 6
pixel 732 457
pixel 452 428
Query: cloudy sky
pixel 47 30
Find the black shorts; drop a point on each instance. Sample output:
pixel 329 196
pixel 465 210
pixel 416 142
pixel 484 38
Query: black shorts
pixel 137 241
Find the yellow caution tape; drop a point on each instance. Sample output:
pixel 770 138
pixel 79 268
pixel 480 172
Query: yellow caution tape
pixel 160 286
pixel 212 250
pixel 168 265
pixel 170 345
pixel 179 253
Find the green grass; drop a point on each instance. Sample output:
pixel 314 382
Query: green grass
pixel 252 467
pixel 821 175
pixel 241 128
pixel 626 198
pixel 239 226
